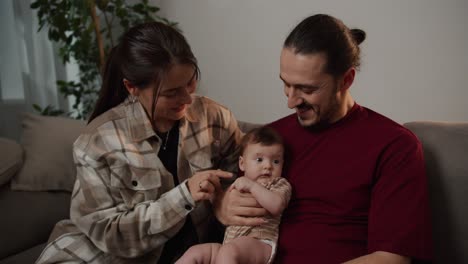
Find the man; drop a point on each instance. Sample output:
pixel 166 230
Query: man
pixel 358 178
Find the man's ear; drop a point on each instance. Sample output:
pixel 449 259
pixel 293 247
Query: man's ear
pixel 241 163
pixel 132 89
pixel 348 78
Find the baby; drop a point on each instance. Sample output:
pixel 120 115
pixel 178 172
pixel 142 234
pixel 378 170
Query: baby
pixel 261 161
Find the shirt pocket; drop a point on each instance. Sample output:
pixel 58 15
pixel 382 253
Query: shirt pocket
pixel 136 185
pixel 206 155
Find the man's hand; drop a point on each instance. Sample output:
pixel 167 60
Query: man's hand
pixel 235 208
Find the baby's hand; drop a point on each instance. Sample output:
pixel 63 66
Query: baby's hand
pixel 243 184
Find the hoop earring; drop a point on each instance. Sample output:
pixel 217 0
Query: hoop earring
pixel 133 99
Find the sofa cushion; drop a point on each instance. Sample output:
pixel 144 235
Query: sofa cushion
pixel 11 158
pixel 446 155
pixel 48 161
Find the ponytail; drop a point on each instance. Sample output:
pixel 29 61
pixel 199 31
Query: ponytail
pixel 113 91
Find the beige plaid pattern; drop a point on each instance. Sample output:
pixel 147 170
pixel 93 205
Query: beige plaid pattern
pixel 269 230
pixel 124 204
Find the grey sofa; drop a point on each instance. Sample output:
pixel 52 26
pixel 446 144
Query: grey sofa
pixel 28 217
pixel 26 222
pixel 446 155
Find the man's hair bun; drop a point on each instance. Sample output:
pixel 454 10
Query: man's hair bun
pixel 358 35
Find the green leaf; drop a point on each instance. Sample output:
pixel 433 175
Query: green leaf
pixel 35 5
pixel 37 108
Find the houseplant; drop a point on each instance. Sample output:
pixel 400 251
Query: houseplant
pixel 85 31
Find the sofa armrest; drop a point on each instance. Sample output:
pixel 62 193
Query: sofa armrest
pixel 27 256
pixel 28 218
pixel 446 157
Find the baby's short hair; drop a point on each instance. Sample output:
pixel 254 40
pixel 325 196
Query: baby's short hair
pixel 264 135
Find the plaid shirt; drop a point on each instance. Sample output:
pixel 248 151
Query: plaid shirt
pixel 124 204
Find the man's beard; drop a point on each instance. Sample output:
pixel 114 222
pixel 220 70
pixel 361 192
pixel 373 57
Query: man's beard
pixel 323 119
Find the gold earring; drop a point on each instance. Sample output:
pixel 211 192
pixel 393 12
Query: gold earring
pixel 133 100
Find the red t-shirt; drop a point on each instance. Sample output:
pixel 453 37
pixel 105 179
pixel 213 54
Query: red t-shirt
pixel 359 186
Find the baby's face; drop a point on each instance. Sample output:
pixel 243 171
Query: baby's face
pixel 262 163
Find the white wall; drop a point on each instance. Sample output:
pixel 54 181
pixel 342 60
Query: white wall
pixel 414 60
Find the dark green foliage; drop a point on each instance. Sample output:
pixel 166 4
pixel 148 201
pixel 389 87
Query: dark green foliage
pixel 70 24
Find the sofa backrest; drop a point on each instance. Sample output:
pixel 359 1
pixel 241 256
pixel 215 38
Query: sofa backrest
pixel 247 126
pixel 446 155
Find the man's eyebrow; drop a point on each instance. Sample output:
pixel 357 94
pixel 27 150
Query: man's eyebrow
pixel 300 85
pixel 283 79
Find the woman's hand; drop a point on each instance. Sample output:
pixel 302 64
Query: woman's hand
pixel 203 185
pixel 236 208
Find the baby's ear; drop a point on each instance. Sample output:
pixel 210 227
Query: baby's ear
pixel 241 163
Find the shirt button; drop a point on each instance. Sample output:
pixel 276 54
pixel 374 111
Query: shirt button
pixel 188 207
pixel 134 183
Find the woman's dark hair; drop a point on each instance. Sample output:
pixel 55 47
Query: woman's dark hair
pixel 143 56
pixel 264 135
pixel 324 33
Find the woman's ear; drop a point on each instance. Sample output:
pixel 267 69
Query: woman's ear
pixel 241 163
pixel 132 89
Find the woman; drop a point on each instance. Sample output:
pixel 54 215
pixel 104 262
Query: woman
pixel 147 159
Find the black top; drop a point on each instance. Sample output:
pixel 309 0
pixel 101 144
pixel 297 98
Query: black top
pixel 168 150
pixel 187 236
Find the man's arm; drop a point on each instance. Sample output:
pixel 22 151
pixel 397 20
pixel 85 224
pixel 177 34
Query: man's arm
pixel 401 180
pixel 380 257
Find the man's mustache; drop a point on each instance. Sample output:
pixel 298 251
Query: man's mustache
pixel 304 106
